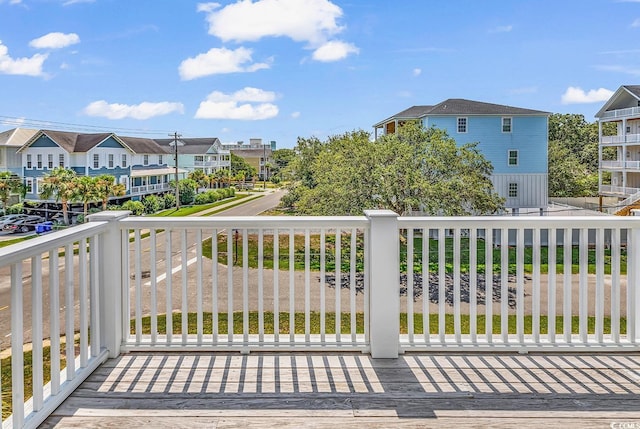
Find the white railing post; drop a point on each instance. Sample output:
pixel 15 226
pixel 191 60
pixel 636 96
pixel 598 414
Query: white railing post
pixel 384 275
pixel 109 282
pixel 633 280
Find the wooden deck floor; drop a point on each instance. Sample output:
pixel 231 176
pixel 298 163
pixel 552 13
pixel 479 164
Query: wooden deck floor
pixel 293 390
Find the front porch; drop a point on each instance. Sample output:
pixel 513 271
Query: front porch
pixel 376 320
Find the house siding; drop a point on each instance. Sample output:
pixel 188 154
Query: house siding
pixel 532 189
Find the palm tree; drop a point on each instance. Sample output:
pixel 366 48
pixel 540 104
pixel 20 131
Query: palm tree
pixel 60 184
pixel 199 177
pixel 106 187
pixel 9 184
pixel 86 191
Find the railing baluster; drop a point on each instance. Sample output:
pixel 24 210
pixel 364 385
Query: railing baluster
pixel 168 285
pixel 338 283
pixel 230 286
pixel 37 376
pixel 583 296
pixel 354 233
pixel 138 284
pixel 276 285
pixel 84 317
pixel 185 284
pixel 425 286
pixel 17 355
pixel 473 283
pixel 488 283
pixel 442 285
pixel 520 286
pixel 154 286
pixel 457 326
pixel 54 320
pixel 552 242
pixel 537 261
pixel 94 294
pixel 599 298
pixel 69 311
pixel 410 285
pixel 199 315
pixel 504 284
pixel 323 285
pixel 307 285
pixel 615 285
pixel 245 286
pixel 215 328
pixel 261 285
pixel 126 289
pixel 292 302
pixel 567 286
pixel 367 291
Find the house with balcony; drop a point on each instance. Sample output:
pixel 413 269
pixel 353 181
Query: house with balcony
pixel 513 139
pixel 10 142
pixel 256 153
pixel 138 163
pixel 620 176
pixel 206 154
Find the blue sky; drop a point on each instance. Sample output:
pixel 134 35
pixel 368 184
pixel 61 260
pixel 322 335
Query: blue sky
pixel 279 69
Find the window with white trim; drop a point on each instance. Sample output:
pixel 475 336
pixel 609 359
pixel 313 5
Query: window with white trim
pixel 512 157
pixel 110 160
pixel 29 164
pixel 145 159
pixel 50 161
pixel 39 160
pixel 123 161
pixel 513 190
pixel 160 160
pixel 61 160
pixel 462 125
pixel 96 160
pixel 506 125
pixel 28 183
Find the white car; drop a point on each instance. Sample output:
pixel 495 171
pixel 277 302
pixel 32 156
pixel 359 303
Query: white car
pixel 9 219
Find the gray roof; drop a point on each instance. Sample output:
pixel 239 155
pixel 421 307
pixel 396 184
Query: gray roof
pixel 460 106
pixel 634 89
pixel 192 146
pixel 143 145
pixel 16 137
pixel 76 142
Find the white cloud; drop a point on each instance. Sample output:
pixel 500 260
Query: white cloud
pixel 64 66
pixel 417 72
pixel 576 95
pixel 144 110
pixel 21 66
pixel 70 2
pixel 246 104
pixel 55 41
pixel 295 115
pixel 502 29
pixel 620 69
pixel 312 21
pixel 636 23
pixel 218 61
pixel 334 50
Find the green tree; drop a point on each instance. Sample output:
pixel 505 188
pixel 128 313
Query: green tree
pixel 414 170
pixel 186 190
pixel 9 184
pixel 199 177
pixel 86 191
pixel 106 187
pixel 281 159
pixel 239 164
pixel 60 184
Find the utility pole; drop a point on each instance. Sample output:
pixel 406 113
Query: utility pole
pixel 175 154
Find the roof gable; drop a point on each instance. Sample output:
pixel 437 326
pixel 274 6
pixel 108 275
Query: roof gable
pixel 192 146
pixel 16 137
pixel 624 97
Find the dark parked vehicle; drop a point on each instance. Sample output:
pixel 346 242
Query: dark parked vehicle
pixel 24 224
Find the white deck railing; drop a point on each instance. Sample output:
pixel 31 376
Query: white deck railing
pixel 621 113
pixel 123 275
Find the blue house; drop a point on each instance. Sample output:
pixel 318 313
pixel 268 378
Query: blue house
pixel 140 164
pixel 513 139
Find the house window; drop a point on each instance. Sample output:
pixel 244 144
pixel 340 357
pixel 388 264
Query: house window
pixel 110 160
pixel 96 160
pixel 61 160
pixel 39 160
pixel 160 160
pixel 123 162
pixel 512 155
pixel 513 190
pixel 198 158
pixel 145 159
pixel 28 183
pixel 462 125
pixel 506 125
pixel 50 161
pixel 29 165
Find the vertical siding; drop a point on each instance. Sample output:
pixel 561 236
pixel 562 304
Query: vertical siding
pixel 532 189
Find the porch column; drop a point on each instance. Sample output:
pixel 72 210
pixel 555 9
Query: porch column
pixel 110 281
pixel 384 281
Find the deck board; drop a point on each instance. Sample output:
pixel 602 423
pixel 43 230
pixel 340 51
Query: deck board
pixel 266 390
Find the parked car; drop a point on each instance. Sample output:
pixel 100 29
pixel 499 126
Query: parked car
pixel 25 224
pixel 8 219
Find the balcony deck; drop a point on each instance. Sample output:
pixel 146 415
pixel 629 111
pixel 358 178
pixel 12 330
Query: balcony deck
pixel 264 390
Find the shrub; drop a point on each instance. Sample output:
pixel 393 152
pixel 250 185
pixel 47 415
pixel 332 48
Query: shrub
pixel 15 209
pixel 203 198
pixel 152 204
pixel 169 201
pixel 135 207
